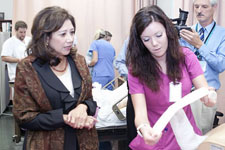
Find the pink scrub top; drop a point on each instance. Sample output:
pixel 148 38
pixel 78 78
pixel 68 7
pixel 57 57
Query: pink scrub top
pixel 158 102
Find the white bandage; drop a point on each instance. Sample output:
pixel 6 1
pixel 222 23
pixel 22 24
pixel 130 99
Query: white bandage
pixel 186 100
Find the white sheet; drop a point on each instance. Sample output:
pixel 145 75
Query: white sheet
pixel 105 100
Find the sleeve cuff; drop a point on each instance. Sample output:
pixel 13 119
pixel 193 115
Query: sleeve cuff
pixel 91 106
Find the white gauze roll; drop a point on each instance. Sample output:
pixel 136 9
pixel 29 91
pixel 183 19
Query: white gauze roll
pixel 183 130
pixel 186 100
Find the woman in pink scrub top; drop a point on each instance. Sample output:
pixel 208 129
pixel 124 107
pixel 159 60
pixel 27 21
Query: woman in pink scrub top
pixel 157 67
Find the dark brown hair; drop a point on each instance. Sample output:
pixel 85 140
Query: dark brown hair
pixel 140 61
pixel 47 21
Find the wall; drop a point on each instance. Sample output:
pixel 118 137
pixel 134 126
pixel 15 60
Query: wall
pixel 221 97
pixel 90 15
pixel 7 7
pixel 167 7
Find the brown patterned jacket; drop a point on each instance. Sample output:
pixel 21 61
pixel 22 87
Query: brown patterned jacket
pixel 30 100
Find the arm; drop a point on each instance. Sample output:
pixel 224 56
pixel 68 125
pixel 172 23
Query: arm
pixel 141 119
pixel 120 61
pixel 50 120
pixel 199 82
pixel 137 91
pixel 82 114
pixel 214 56
pixel 31 110
pixel 216 60
pixel 140 109
pixel 91 106
pixel 192 37
pixel 7 52
pixel 76 118
pixel 10 59
pixel 94 59
pixel 196 74
pixel 55 119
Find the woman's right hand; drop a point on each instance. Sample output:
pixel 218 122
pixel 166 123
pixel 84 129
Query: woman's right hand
pixel 149 135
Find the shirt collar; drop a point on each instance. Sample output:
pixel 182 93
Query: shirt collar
pixel 208 28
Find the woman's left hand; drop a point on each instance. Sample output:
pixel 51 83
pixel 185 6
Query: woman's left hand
pixel 209 101
pixel 90 122
pixel 78 116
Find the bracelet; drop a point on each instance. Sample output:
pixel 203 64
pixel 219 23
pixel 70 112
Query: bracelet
pixel 140 126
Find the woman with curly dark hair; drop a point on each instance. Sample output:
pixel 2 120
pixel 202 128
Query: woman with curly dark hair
pixel 53 88
pixel 160 72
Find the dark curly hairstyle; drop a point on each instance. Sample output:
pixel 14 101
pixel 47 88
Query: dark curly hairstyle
pixel 139 60
pixel 47 21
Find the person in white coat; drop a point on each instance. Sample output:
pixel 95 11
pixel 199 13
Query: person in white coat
pixel 13 49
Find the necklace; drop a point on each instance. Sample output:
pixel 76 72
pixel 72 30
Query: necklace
pixel 61 70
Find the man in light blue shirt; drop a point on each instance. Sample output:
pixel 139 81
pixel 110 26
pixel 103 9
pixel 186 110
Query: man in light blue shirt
pixel 120 63
pixel 211 53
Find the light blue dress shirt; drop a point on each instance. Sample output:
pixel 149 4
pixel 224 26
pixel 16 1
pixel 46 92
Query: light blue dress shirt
pixel 212 52
pixel 120 61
